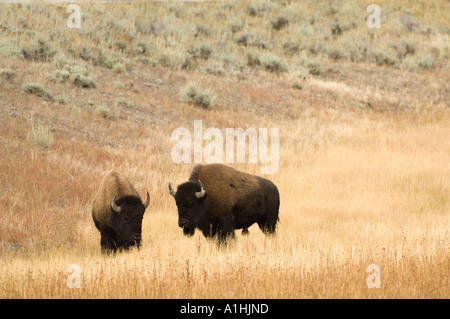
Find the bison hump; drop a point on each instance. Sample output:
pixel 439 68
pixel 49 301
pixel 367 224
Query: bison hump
pixel 111 184
pixel 225 186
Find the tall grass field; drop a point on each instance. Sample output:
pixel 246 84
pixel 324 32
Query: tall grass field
pixel 364 145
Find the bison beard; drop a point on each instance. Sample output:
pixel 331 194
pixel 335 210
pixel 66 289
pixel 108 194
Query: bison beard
pixel 218 200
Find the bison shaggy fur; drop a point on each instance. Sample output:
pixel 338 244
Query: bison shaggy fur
pixel 230 200
pixel 118 212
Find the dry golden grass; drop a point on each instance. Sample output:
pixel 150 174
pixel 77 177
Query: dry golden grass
pixel 377 194
pixel 364 174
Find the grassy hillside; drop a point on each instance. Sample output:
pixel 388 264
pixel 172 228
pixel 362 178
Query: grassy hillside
pixel 363 116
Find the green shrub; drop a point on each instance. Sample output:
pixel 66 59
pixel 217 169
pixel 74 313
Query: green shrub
pixel 103 111
pixel 170 60
pixel 359 52
pixel 297 85
pixel 126 103
pixel 38 90
pixel 237 26
pixel 409 23
pixel 426 62
pixel 314 67
pixel 189 62
pixel 280 23
pixel 59 76
pixel 291 47
pixel 403 48
pixel 7 75
pixel 337 54
pixel 384 57
pixel 85 82
pixel 40 51
pixel 243 39
pixel 422 62
pixel 260 7
pixel 120 45
pixel 409 63
pixel 192 94
pixel 258 40
pixel 9 50
pixel 253 59
pixel 214 68
pixel 205 51
pixel 273 63
pixel 202 29
pixel 336 29
pixel 316 47
pixel 119 67
pixel 142 48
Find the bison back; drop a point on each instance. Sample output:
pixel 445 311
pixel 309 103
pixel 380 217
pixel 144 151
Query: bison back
pixel 226 187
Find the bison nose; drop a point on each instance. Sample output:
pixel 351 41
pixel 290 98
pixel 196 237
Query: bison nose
pixel 182 222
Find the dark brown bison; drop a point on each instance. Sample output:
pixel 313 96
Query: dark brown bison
pixel 218 199
pixel 117 212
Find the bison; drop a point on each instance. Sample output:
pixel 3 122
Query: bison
pixel 218 199
pixel 117 212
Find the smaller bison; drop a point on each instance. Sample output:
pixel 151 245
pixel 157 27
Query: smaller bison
pixel 117 212
pixel 218 199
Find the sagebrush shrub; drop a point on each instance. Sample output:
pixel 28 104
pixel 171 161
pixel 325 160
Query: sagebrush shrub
pixel 192 94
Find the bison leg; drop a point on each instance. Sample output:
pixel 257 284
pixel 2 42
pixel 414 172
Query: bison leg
pixel 209 231
pixel 108 244
pixel 268 223
pixel 226 231
pixel 108 240
pixel 224 236
pixel 108 237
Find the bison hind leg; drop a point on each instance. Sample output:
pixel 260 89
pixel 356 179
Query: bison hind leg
pixel 268 225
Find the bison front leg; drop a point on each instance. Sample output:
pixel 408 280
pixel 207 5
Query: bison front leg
pixel 209 231
pixel 108 238
pixel 226 230
pixel 108 244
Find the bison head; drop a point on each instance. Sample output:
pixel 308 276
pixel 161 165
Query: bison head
pixel 190 199
pixel 126 218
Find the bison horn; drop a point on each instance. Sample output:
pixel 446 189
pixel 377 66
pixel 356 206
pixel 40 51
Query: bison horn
pixel 114 205
pixel 147 201
pixel 171 191
pixel 202 190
